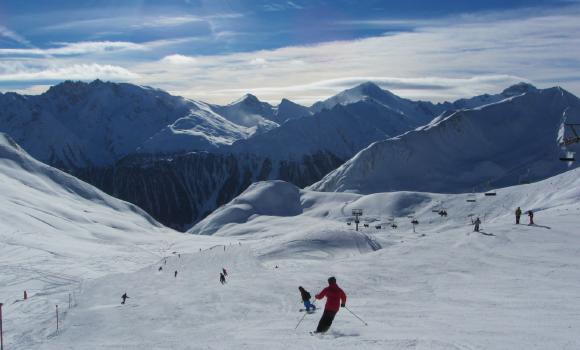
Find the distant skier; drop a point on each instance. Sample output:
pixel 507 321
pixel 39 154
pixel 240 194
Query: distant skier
pixel 531 216
pixel 160 268
pixel 518 214
pixel 124 297
pixel 175 273
pixel 25 295
pixel 222 278
pixel 477 222
pixel 224 271
pixel 306 299
pixel 335 299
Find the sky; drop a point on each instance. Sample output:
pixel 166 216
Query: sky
pixel 218 50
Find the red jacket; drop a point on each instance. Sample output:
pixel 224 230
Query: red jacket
pixel 334 297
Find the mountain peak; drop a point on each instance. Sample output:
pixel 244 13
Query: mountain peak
pixel 518 89
pixel 247 99
pixel 368 86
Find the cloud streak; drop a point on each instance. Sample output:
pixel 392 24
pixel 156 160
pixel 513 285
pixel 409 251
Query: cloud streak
pixel 73 72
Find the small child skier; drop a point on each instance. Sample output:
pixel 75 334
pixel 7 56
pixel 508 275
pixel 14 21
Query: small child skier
pixel 306 299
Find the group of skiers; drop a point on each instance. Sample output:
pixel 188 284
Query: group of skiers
pixel 519 214
pixel 335 299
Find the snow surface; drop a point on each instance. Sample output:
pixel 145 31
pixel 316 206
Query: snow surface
pixel 443 287
pixel 515 140
pixel 57 232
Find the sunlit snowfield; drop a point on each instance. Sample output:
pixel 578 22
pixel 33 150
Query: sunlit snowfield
pixel 442 287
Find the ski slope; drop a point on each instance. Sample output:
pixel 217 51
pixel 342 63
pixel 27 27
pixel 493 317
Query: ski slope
pixel 441 287
pixel 58 232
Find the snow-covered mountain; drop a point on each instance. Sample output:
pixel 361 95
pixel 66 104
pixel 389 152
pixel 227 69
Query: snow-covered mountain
pixel 481 100
pixel 76 124
pixel 490 146
pixel 341 131
pixel 287 110
pixel 250 112
pixel 418 111
pixel 301 151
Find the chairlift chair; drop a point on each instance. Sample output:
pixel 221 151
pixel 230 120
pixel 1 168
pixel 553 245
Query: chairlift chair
pixel 490 192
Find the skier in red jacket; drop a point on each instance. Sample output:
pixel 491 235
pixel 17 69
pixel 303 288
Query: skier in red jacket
pixel 335 298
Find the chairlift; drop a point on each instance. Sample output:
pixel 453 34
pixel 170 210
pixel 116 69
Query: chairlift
pixel 569 157
pixel 490 192
pixel 348 223
pixel 471 197
pixel 567 141
pixel 415 222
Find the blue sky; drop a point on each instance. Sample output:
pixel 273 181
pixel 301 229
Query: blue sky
pixel 216 50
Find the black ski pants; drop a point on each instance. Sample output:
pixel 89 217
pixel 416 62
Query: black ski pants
pixel 325 321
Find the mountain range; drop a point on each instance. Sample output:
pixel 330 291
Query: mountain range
pixel 179 159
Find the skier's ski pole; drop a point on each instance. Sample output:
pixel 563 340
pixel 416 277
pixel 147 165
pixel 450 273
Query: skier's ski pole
pixel 299 322
pixel 366 324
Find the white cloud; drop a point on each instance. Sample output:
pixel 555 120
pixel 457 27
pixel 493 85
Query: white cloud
pixel 78 48
pixel 99 22
pixel 72 72
pixel 7 33
pixel 258 61
pixel 167 21
pixel 31 90
pixel 458 58
pixel 179 59
pixel 433 62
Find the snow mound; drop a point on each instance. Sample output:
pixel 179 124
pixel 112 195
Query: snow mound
pixel 271 198
pixel 500 144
